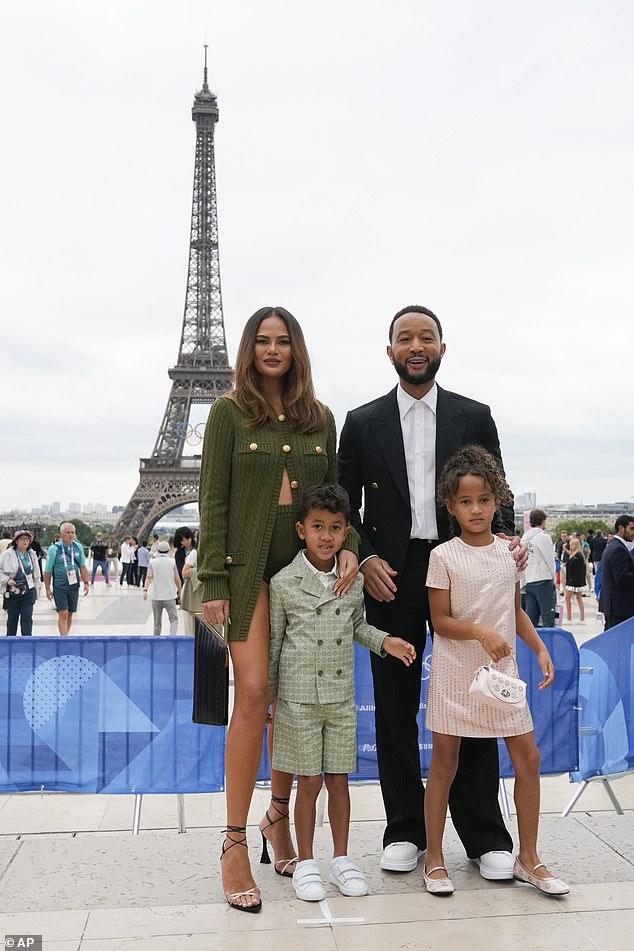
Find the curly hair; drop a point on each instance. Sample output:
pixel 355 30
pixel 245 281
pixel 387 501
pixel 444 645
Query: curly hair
pixel 475 461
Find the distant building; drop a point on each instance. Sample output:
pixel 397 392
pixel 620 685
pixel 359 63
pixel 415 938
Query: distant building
pixel 525 501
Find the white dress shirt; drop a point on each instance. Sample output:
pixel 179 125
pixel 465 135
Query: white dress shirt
pixel 418 425
pixel 327 578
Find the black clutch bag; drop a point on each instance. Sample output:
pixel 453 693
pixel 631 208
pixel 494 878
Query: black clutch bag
pixel 211 674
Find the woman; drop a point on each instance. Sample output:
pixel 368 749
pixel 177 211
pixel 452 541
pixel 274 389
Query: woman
pixel 191 592
pixel 20 572
pixel 183 543
pixel 575 579
pixel 265 442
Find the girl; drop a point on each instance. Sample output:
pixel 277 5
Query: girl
pixel 475 609
pixel 575 579
pixel 265 443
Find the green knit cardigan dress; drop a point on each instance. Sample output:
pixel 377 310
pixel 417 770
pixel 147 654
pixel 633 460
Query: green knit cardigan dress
pixel 240 481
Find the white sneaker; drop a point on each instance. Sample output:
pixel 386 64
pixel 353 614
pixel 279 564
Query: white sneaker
pixel 495 866
pixel 348 877
pixel 307 881
pixel 401 857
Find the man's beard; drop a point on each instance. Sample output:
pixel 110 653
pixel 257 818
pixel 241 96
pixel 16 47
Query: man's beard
pixel 416 379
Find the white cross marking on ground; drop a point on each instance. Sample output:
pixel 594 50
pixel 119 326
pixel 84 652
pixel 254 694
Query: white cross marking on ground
pixel 328 919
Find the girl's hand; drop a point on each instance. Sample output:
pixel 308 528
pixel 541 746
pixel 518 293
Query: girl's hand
pixel 348 571
pixel 494 644
pixel 216 612
pixel 548 668
pixel 397 647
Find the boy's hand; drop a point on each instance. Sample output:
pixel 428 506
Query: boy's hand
pixel 348 571
pixel 397 647
pixel 494 644
pixel 548 668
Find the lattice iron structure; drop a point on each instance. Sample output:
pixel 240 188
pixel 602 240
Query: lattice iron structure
pixel 202 372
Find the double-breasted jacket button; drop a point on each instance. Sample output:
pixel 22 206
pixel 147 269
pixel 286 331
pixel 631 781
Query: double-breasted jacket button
pixel 281 417
pixel 294 484
pixel 319 643
pixel 228 560
pixel 320 673
pixel 286 448
pixel 318 449
pixel 253 446
pixel 337 611
pixel 375 485
pixel 339 672
pixel 338 641
pixel 318 611
pixel 374 528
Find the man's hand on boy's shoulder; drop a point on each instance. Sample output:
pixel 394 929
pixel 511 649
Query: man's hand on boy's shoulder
pixel 397 647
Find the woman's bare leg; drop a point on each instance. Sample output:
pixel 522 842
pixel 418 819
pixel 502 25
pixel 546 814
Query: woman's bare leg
pixel 244 742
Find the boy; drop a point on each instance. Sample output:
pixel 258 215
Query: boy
pixel 312 675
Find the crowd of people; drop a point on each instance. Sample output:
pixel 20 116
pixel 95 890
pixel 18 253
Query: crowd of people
pixel 62 570
pixel 403 527
pixel 579 565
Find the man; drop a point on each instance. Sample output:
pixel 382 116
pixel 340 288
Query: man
pixel 65 563
pixel 392 450
pixel 597 546
pixel 561 556
pixel 113 552
pixel 99 550
pixel 617 575
pixel 166 584
pixel 540 573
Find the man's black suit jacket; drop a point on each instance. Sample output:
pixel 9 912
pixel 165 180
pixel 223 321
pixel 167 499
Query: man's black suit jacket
pixel 371 463
pixel 617 581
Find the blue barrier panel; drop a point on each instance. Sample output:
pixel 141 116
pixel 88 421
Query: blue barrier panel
pixel 555 710
pixel 103 715
pixel 555 714
pixel 606 697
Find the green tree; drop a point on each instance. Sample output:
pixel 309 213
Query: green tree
pixel 581 526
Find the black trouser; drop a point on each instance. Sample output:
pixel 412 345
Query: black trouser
pixel 142 575
pixel 125 572
pixel 473 798
pixel 21 609
pixel 611 620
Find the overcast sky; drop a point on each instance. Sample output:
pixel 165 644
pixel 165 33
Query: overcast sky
pixel 474 157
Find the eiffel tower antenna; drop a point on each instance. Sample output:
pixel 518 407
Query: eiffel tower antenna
pixel 202 371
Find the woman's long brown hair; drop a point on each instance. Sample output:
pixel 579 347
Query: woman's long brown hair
pixel 301 405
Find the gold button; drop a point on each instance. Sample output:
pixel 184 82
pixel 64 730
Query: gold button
pixel 375 485
pixel 294 484
pixel 253 446
pixel 282 417
pixel 286 448
pixel 228 560
pixel 318 449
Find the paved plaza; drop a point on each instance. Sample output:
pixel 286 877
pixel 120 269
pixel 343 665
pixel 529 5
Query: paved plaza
pixel 71 870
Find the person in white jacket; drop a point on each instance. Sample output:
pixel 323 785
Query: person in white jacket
pixel 540 572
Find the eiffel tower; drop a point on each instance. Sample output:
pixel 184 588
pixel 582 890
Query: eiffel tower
pixel 202 372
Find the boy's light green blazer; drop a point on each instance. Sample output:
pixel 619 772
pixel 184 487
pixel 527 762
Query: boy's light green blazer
pixel 312 632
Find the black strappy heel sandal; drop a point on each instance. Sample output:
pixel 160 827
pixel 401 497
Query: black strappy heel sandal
pixel 264 858
pixel 238 830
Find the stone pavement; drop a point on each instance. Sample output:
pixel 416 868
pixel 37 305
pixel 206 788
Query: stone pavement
pixel 71 870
